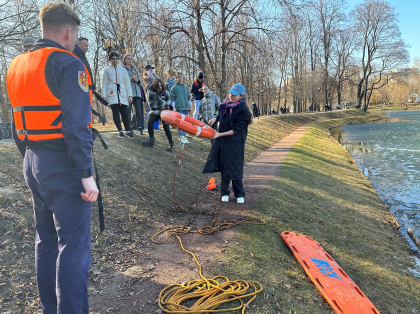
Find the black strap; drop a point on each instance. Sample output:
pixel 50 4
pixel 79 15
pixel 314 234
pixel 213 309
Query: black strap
pixel 37 108
pixel 95 113
pixel 100 203
pixel 24 131
pixel 95 135
pixel 100 99
pixel 57 120
pixel 38 132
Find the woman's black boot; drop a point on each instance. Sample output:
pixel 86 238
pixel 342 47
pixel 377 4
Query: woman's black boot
pixel 171 147
pixel 149 143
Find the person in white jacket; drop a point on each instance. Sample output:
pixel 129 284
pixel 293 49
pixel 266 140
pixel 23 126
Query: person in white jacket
pixel 116 90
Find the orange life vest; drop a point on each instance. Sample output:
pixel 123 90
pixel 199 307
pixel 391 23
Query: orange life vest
pixel 36 111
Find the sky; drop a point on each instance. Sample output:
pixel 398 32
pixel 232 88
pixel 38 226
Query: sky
pixel 408 15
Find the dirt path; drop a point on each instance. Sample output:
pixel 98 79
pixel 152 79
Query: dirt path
pixel 137 289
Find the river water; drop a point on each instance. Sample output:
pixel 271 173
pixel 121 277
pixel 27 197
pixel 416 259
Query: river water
pixel 388 153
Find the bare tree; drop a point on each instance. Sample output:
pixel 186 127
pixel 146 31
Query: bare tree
pixel 382 48
pixel 330 15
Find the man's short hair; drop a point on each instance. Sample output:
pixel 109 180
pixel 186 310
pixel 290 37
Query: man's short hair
pixel 58 14
pixel 80 39
pixel 179 74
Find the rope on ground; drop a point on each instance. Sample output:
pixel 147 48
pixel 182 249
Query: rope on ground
pixel 143 191
pixel 216 225
pixel 207 295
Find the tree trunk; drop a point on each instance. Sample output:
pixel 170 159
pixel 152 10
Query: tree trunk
pixel 3 104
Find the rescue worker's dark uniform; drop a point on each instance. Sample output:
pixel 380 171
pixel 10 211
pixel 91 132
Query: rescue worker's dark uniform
pixel 55 161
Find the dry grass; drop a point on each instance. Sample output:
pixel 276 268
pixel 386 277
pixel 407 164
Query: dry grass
pixel 130 223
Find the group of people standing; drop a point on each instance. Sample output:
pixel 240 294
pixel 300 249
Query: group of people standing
pixel 50 83
pixel 123 88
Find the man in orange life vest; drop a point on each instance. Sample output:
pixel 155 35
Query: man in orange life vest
pixel 49 91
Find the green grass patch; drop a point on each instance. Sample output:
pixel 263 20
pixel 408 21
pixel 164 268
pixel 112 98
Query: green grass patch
pixel 320 192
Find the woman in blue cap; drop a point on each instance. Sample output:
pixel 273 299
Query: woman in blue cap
pixel 228 150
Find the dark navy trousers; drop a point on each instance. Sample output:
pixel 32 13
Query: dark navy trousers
pixel 62 221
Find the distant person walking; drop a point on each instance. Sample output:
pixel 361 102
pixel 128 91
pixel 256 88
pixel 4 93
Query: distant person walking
pixel 159 100
pixel 255 110
pixel 197 92
pixel 228 150
pixel 181 101
pixel 116 90
pixel 138 94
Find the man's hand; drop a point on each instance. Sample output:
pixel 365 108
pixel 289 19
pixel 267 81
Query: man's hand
pixel 130 99
pixel 91 191
pixel 211 121
pixel 134 76
pixel 104 98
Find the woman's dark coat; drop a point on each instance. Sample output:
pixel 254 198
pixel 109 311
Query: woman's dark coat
pixel 229 151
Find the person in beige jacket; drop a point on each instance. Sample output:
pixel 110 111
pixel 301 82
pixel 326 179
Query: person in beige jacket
pixel 116 90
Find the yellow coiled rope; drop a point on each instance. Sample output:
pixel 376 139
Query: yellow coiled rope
pixel 207 295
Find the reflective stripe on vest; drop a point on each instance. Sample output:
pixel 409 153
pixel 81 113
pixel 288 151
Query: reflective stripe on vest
pixel 36 111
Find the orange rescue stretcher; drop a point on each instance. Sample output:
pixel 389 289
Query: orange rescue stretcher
pixel 187 124
pixel 344 296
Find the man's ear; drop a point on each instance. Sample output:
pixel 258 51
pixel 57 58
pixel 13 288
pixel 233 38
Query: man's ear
pixel 67 33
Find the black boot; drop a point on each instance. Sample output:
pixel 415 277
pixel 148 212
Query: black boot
pixel 149 143
pixel 171 147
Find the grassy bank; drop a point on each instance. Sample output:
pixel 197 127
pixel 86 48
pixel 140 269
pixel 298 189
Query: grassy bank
pixel 321 193
pixel 130 222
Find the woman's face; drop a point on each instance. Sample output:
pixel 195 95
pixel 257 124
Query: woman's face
pixel 235 98
pixel 114 61
pixel 159 87
pixel 129 60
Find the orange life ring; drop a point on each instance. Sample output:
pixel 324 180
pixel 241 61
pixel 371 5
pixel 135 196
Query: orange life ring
pixel 187 124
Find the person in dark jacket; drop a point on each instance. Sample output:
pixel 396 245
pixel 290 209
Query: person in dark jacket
pixel 228 150
pixel 80 49
pixel 159 100
pixel 198 92
pixel 255 110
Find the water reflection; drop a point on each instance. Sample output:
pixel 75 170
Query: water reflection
pixel 387 120
pixel 388 154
